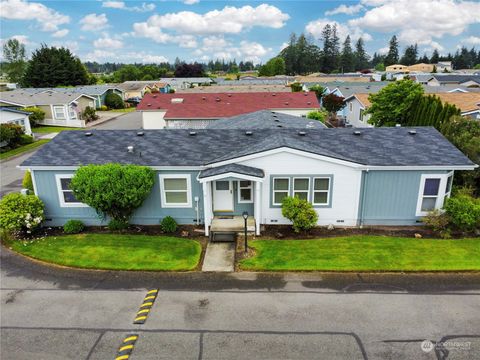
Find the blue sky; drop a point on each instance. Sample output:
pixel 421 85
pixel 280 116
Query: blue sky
pixel 154 31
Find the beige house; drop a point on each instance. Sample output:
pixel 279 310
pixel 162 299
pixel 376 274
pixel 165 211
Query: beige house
pixel 396 68
pixel 422 67
pixel 61 109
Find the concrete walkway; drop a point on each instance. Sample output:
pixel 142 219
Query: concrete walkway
pixel 219 257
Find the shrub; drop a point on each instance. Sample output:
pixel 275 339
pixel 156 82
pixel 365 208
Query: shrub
pixel 320 115
pixel 11 134
pixel 113 190
pixel 171 91
pixel 296 87
pixel 168 224
pixel 25 139
pixel 27 182
pixel 73 227
pixel 89 114
pixel 114 101
pixel 318 89
pixel 36 115
pixel 21 212
pixel 117 225
pixel 439 222
pixel 300 212
pixel 464 212
pixel 103 108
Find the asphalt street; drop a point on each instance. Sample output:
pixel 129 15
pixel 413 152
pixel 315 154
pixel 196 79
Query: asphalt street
pixel 57 313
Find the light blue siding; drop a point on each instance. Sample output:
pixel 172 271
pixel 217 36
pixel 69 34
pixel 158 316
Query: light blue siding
pixel 150 213
pixel 390 197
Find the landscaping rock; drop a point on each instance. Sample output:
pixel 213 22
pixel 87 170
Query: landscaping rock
pixel 331 227
pixel 418 236
pixel 279 235
pixel 184 233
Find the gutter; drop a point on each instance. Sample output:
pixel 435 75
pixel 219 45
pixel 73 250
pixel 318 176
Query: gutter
pixel 362 205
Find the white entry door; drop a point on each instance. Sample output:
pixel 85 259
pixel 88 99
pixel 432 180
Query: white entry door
pixel 222 195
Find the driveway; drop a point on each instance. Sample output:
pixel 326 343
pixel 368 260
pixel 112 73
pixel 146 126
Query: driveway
pixel 236 316
pixel 128 121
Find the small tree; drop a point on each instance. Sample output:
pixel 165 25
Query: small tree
pixel 319 90
pixel 36 115
pixel 114 101
pixel 296 87
pixel 333 103
pixel 113 190
pixel 11 134
pixel 300 212
pixel 21 212
pixel 320 115
pixel 89 114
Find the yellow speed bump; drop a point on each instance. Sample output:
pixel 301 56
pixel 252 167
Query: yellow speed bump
pixel 154 291
pixel 143 311
pixel 146 306
pixel 126 347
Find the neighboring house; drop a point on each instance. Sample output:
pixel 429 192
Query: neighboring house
pixel 375 176
pixel 266 119
pixel 356 105
pixel 61 109
pixel 195 110
pixel 185 83
pixel 137 89
pixel 17 117
pixel 444 66
pixel 396 68
pixel 463 80
pixel 421 67
pixel 228 87
pixel 468 103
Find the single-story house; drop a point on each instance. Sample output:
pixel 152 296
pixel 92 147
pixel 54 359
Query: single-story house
pixel 444 66
pixel 137 89
pixel 17 117
pixel 459 79
pixel 421 67
pixel 394 176
pixel 187 82
pixel 195 110
pixel 468 103
pixel 356 104
pixel 396 68
pixel 61 108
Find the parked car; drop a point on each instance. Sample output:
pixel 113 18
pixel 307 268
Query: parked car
pixel 134 100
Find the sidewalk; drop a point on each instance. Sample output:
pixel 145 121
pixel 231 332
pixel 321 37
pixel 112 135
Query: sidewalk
pixel 219 257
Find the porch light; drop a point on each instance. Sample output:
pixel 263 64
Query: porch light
pixel 245 217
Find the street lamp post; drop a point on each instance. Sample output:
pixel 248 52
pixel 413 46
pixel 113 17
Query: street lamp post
pixel 245 217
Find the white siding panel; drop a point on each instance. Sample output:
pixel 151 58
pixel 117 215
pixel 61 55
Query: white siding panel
pixel 153 119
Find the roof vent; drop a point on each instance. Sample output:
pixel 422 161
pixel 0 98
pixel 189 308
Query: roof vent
pixel 302 133
pixel 204 98
pixel 358 133
pixel 279 126
pixel 274 94
pixel 412 132
pixel 276 120
pixel 217 99
pixel 176 100
pixel 192 133
pixel 130 148
pixel 286 102
pixel 398 125
pixel 88 134
pixel 309 103
pixel 305 94
pixel 229 95
pixel 149 104
pixel 248 133
pixel 140 133
pixel 154 96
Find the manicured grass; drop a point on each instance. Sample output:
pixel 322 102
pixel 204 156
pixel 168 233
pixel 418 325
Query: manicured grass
pixel 53 129
pixel 126 110
pixel 8 154
pixel 365 253
pixel 115 252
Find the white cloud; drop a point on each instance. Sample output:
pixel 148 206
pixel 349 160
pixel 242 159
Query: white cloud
pixel 122 6
pixel 108 43
pixel 191 2
pixel 316 27
pixel 22 39
pixel 345 9
pixel 60 33
pixel 130 57
pixel 217 47
pixel 71 45
pixel 284 45
pixel 48 19
pixel 100 55
pixel 475 40
pixel 419 21
pixel 383 51
pixel 94 22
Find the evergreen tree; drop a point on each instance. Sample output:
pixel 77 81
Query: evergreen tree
pixel 392 56
pixel 410 55
pixel 347 62
pixel 328 50
pixel 435 57
pixel 424 59
pixel 52 67
pixel 361 56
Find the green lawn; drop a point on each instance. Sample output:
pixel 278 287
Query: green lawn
pixel 126 110
pixel 53 129
pixel 115 252
pixel 7 154
pixel 365 253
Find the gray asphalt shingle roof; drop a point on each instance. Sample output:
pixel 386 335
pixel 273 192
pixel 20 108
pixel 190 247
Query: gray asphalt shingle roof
pixel 232 168
pixel 177 147
pixel 265 119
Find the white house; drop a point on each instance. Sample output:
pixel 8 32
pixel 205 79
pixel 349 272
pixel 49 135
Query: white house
pixel 17 117
pixel 356 105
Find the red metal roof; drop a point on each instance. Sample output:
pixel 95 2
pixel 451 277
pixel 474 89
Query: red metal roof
pixel 219 105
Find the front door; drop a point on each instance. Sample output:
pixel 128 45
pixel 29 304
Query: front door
pixel 223 196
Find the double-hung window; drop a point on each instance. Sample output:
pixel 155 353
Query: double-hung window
pixel 59 112
pixel 301 188
pixel 65 194
pixel 434 190
pixel 321 191
pixel 245 191
pixel 281 189
pixel 175 191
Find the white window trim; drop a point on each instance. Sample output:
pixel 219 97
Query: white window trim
pixel 275 191
pixel 322 191
pixel 60 191
pixel 188 204
pixel 441 191
pixel 72 113
pixel 301 191
pixel 55 114
pixel 239 198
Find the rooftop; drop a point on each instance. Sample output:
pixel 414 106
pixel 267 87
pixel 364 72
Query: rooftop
pixel 25 98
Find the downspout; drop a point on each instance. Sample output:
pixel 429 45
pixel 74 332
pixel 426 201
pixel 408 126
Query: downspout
pixel 364 191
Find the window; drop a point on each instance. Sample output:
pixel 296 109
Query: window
pixel 175 191
pixel 73 113
pixel 448 188
pixel 245 191
pixel 281 189
pixel 350 106
pixel 59 112
pixel 434 189
pixel 301 188
pixel 430 194
pixel 321 191
pixel 65 194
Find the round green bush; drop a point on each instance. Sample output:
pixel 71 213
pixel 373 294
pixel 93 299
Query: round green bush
pixel 168 224
pixel 114 101
pixel 11 134
pixel 25 139
pixel 103 108
pixel 117 225
pixel 464 212
pixel 300 212
pixel 36 115
pixel 73 227
pixel 21 212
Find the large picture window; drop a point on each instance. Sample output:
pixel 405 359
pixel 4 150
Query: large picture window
pixel 321 191
pixel 245 191
pixel 175 191
pixel 65 194
pixel 281 189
